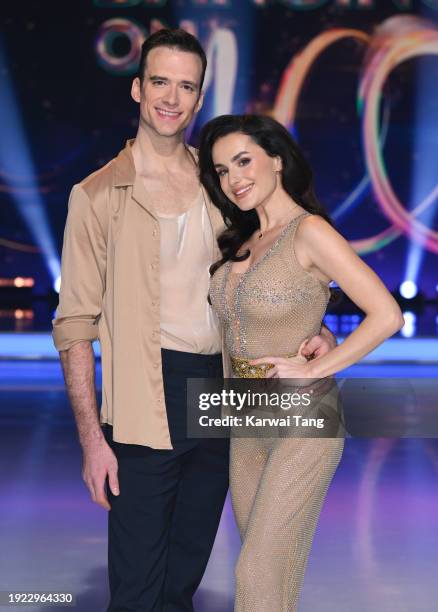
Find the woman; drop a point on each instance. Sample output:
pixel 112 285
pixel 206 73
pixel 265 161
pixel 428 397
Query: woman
pixel 270 290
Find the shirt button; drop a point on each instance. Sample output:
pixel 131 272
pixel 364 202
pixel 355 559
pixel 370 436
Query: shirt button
pixel 153 266
pixel 155 233
pixel 156 365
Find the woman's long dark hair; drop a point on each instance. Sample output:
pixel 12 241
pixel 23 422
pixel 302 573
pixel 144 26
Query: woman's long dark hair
pixel 296 177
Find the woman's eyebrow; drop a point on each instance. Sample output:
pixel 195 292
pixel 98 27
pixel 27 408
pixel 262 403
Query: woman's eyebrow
pixel 234 158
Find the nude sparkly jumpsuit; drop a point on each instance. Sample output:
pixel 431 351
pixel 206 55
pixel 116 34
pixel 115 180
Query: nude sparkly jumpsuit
pixel 278 484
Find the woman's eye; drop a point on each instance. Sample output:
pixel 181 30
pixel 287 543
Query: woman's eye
pixel 244 161
pixel 221 173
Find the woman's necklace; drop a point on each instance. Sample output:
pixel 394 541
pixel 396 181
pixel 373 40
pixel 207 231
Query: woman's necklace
pixel 261 234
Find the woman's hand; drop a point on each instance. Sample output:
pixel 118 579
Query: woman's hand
pixel 320 345
pixel 296 367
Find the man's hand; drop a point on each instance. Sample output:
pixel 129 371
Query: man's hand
pixel 100 462
pixel 319 345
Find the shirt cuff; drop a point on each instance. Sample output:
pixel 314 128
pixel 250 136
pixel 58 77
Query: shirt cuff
pixel 67 332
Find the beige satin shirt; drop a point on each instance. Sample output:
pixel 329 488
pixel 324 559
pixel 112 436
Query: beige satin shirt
pixel 110 291
pixel 188 322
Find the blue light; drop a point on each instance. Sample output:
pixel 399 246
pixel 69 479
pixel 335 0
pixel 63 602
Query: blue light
pixel 409 328
pixel 332 322
pixel 57 284
pixel 425 130
pixel 408 289
pixel 40 345
pixel 408 332
pixel 16 161
pixel 410 318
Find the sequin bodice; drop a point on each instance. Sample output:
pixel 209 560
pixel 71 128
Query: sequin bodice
pixel 273 306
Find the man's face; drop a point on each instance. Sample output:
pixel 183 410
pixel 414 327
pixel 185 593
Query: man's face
pixel 170 94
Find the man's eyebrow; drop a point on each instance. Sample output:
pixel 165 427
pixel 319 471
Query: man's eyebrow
pixel 192 83
pixel 157 77
pixel 234 158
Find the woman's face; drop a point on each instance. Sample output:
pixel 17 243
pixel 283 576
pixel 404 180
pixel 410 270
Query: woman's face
pixel 248 175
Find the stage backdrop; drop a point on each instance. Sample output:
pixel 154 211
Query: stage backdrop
pixel 354 81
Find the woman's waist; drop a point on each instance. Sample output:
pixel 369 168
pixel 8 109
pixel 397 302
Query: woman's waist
pixel 242 367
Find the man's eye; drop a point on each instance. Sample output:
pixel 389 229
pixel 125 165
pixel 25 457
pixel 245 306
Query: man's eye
pixel 158 82
pixel 188 88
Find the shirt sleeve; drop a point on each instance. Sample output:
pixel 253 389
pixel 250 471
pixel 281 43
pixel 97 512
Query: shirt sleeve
pixel 83 273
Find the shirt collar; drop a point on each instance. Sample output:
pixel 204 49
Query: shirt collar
pixel 124 166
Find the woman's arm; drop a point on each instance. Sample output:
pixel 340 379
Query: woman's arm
pixel 322 251
pixel 329 253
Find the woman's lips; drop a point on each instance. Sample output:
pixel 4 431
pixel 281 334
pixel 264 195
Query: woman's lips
pixel 244 191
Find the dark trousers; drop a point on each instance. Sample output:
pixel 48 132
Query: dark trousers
pixel 163 524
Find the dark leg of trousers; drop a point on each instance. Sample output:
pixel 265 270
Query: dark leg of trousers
pixel 200 499
pixel 163 524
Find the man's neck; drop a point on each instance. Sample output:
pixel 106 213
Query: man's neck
pixel 155 153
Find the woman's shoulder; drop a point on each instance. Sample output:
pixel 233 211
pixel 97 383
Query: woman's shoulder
pixel 312 227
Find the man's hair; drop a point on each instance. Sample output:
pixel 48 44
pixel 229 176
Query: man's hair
pixel 173 39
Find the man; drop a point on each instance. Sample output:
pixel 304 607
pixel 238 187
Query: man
pixel 139 240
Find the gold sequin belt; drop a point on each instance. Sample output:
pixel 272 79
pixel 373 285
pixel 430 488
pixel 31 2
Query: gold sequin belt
pixel 243 369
